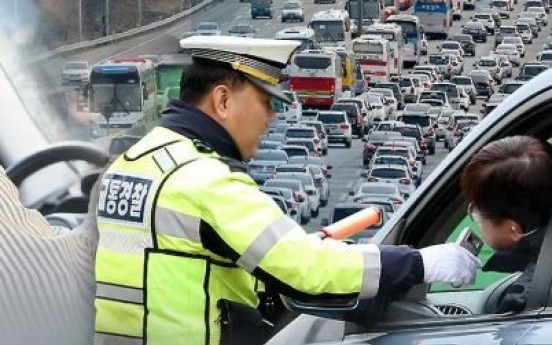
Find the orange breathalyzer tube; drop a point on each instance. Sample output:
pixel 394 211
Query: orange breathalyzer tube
pixel 353 224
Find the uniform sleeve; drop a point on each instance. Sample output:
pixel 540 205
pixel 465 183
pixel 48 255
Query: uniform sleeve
pixel 275 249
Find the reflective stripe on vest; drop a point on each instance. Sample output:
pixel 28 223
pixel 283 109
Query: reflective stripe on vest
pixel 270 236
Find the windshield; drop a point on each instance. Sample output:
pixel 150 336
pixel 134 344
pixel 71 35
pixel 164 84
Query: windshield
pixel 276 155
pixel 546 56
pixel 377 189
pixel 328 31
pixel 423 121
pixel 487 63
pixel 291 5
pixel 299 133
pixel 76 65
pixel 510 88
pixel 461 81
pixel 312 62
pixel 450 45
pixel 331 118
pixel 450 90
pixel 389 160
pixel 438 60
pixel 388 173
pixel 533 70
pixel 208 26
pixel 366 47
pixel 241 29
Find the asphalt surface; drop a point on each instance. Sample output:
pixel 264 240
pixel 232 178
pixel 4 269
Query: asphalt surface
pixel 346 162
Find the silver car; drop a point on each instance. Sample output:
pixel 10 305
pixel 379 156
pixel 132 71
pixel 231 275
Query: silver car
pixel 308 184
pixel 396 174
pixel 75 71
pixel 261 166
pixel 321 180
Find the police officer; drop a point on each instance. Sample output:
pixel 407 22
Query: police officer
pixel 187 240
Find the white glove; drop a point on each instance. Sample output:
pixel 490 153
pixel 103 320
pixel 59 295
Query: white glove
pixel 449 263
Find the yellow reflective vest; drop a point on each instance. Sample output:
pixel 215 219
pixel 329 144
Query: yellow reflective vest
pixel 180 230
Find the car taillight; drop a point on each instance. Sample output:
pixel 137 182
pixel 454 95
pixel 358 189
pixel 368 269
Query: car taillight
pixel 318 181
pixel 423 143
pixel 344 126
pixel 426 85
pixel 405 181
pixel 371 179
pixel 412 90
pixel 472 42
pixel 293 106
pixel 458 133
pixel 298 197
pixel 412 162
pixel 316 140
pixel 444 23
pixel 370 147
pixel 396 201
pixel 290 204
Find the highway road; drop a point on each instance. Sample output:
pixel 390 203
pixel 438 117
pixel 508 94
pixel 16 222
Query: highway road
pixel 346 162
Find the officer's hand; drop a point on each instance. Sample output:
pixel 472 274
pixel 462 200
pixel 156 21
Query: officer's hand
pixel 449 263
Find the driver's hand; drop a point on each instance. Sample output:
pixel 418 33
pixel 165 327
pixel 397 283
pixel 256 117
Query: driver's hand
pixel 449 263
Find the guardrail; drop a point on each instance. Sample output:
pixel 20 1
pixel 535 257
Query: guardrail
pixel 81 46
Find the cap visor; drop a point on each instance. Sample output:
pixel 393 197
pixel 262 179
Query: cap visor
pixel 273 90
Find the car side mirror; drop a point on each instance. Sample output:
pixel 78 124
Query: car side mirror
pixel 364 140
pixel 364 174
pixel 482 111
pixel 329 176
pixel 418 158
pixel 329 167
pixel 435 126
pixel 293 212
pixel 352 192
pixel 310 192
pixel 324 222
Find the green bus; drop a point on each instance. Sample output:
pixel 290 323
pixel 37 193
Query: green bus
pixel 168 74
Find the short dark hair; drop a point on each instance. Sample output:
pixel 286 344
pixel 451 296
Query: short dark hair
pixel 511 178
pixel 203 75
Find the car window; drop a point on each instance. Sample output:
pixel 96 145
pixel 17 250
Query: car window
pixel 388 173
pixel 271 156
pixel 331 118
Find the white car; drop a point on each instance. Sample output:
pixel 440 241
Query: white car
pixel 510 51
pixel 518 42
pixel 525 32
pixel 491 64
pixel 242 30
pixel 505 64
pixel 295 109
pixel 487 20
pixel 454 45
pixel 388 96
pixel 293 10
pixel 208 29
pixel 541 12
pixel 75 71
pixel 545 57
pixel 533 15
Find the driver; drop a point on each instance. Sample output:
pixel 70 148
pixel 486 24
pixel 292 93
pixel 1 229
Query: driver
pixel 187 240
pixel 46 275
pixel 508 184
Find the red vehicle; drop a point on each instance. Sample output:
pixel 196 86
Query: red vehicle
pixel 316 77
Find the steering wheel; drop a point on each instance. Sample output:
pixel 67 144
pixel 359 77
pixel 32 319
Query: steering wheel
pixel 56 153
